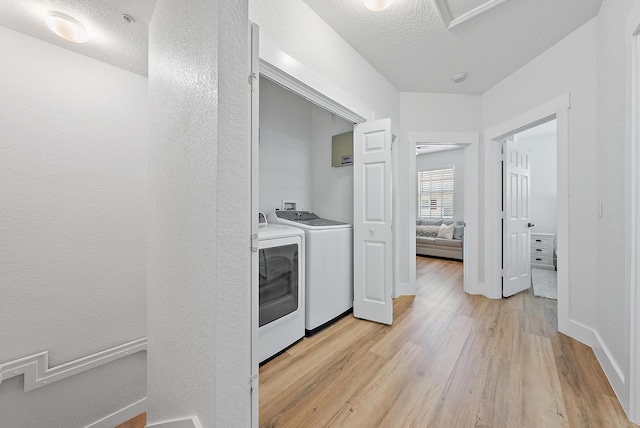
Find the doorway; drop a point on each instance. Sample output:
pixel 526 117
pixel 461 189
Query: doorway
pixel 492 286
pixel 440 203
pixel 468 143
pixel 530 211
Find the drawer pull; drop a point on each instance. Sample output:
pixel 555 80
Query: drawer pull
pixel 538 249
pixel 539 260
pixel 538 240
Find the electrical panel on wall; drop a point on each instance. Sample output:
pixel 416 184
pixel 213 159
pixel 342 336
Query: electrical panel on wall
pixel 342 149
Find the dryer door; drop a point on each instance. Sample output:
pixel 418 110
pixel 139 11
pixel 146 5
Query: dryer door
pixel 279 293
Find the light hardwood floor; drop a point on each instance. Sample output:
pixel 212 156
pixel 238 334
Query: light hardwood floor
pixel 138 422
pixel 449 360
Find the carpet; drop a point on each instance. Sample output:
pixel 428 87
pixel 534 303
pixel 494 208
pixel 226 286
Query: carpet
pixel 545 283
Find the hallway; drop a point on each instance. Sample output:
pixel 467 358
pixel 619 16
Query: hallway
pixel 449 360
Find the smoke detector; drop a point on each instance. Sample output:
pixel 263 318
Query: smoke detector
pixel 460 77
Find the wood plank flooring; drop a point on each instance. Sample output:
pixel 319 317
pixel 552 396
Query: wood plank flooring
pixel 449 360
pixel 138 422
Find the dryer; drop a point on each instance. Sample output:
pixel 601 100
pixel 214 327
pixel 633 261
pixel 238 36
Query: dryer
pixel 328 266
pixel 281 301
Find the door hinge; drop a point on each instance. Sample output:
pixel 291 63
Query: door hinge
pixel 252 381
pixel 254 247
pixel 252 81
pixel 502 214
pixel 503 157
pixel 502 272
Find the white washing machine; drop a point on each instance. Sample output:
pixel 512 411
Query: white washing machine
pixel 281 307
pixel 328 265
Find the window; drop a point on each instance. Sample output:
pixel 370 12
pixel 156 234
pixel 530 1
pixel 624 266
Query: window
pixel 435 193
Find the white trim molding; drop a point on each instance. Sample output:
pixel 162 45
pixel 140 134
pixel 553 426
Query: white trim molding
pixel 450 22
pixel 609 365
pixel 37 373
pixel 192 422
pixel 632 211
pixel 557 108
pixel 121 415
pixel 289 73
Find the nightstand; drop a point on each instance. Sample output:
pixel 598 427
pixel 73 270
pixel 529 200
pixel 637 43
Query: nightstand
pixel 542 250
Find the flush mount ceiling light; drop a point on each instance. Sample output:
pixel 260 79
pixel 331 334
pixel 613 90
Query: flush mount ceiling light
pixel 66 27
pixel 377 5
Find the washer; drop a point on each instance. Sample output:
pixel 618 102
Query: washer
pixel 328 264
pixel 281 301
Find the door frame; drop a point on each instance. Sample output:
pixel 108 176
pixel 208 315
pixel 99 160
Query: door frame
pixel 632 209
pixel 557 108
pixel 254 132
pixel 470 254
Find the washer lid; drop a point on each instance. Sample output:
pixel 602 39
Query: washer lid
pixel 295 215
pixel 307 220
pixel 318 222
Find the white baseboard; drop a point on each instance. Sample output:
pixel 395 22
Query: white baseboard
pixel 481 290
pixel 121 415
pixel 610 367
pixel 612 370
pixel 404 289
pixel 577 331
pixel 477 288
pixel 192 422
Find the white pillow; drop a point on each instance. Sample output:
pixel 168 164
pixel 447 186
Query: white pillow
pixel 445 231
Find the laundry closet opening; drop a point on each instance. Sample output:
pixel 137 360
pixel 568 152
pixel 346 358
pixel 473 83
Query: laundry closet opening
pixel 295 156
pixel 306 205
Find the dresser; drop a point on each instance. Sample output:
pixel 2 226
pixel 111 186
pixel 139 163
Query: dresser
pixel 542 245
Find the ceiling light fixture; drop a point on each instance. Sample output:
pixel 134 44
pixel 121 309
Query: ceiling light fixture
pixel 66 27
pixel 377 5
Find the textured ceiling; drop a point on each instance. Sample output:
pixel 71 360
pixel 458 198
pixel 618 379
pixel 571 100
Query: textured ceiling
pixel 411 46
pixel 408 43
pixel 111 38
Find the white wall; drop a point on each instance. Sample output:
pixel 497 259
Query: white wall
pixel 429 112
pixel 612 306
pixel 285 148
pixel 332 188
pixel 447 159
pixel 298 31
pixel 73 186
pixel 542 150
pixel 199 258
pixel 567 67
pixel 432 112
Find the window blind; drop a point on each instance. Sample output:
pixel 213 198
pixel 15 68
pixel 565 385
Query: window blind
pixel 435 193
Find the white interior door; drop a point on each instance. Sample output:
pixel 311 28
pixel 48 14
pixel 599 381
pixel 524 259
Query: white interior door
pixel 517 236
pixel 255 124
pixel 372 234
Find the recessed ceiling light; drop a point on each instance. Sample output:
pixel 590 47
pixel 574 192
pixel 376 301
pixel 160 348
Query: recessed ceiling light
pixel 66 27
pixel 377 5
